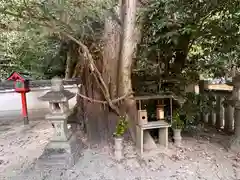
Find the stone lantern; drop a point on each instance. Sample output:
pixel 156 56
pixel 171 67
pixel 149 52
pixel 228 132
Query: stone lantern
pixel 64 142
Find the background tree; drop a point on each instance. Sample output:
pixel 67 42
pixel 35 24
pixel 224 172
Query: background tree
pixel 189 38
pixel 32 53
pixel 96 39
pixel 81 25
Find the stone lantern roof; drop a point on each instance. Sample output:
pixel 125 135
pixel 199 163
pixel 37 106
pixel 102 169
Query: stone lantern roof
pixel 57 93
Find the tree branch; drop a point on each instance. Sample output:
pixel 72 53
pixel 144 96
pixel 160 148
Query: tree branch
pixel 199 29
pixel 50 22
pixel 95 71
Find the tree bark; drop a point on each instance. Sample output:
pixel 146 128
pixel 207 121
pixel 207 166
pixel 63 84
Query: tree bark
pixel 126 61
pixel 99 118
pixel 111 51
pixel 115 68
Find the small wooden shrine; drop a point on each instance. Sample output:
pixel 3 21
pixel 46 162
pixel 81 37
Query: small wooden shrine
pixel 162 121
pixel 160 106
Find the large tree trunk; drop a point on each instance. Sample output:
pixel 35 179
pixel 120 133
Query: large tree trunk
pixel 130 37
pixel 101 121
pixel 115 69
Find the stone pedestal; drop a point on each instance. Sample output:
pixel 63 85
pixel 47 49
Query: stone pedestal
pixel 177 137
pixel 61 131
pixel 63 154
pixel 212 114
pixel 235 100
pixel 228 118
pixel 235 140
pixel 205 118
pixel 220 113
pixel 212 118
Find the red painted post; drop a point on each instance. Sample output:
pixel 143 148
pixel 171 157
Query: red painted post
pixel 24 108
pixel 21 85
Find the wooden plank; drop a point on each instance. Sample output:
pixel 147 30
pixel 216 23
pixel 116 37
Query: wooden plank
pixel 220 87
pixel 151 97
pixel 154 125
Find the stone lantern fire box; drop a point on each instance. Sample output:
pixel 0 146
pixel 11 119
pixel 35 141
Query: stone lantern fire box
pixel 64 147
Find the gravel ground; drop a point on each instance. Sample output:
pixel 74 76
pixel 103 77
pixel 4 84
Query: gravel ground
pixel 202 158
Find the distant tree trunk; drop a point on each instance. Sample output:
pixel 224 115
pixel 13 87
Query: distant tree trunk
pixel 111 51
pixel 181 55
pixel 126 61
pixel 71 59
pixel 68 68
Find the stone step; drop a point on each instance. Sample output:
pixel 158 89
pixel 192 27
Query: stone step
pixel 56 163
pixel 56 157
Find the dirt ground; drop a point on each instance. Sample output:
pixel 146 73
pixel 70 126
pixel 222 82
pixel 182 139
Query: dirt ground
pixel 198 158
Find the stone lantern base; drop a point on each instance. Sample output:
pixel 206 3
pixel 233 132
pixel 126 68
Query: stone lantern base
pixel 63 154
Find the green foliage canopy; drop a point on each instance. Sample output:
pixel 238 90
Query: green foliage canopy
pixel 191 36
pixel 33 32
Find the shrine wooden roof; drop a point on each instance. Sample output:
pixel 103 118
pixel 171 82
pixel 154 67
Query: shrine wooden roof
pixel 148 96
pixel 18 76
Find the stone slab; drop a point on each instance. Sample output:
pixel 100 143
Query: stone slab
pixel 60 154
